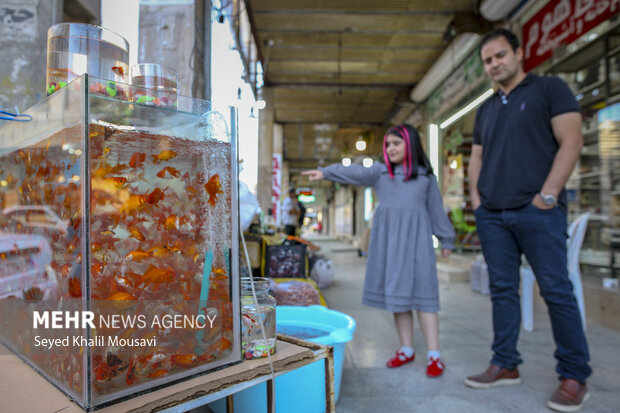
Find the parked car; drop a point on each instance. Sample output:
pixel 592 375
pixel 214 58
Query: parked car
pixel 25 272
pixel 39 219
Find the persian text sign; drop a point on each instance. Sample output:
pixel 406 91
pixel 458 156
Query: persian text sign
pixel 561 22
pixel 276 185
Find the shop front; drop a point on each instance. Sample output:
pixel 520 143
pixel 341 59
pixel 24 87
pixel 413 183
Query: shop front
pixel 451 113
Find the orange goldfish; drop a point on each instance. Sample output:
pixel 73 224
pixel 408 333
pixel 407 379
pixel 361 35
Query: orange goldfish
pixel 155 196
pixel 154 275
pixel 164 155
pixel 137 255
pixel 158 373
pixel 118 181
pixel 75 289
pixel 131 373
pixel 168 222
pixel 95 246
pixel 118 70
pixel 136 233
pixel 121 296
pixel 134 203
pixel 172 171
pixel 213 188
pixel 183 359
pixel 219 271
pixel 137 159
pixel 97 267
pixel 160 252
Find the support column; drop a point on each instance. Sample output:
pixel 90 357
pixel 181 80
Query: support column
pixel 173 35
pixel 265 150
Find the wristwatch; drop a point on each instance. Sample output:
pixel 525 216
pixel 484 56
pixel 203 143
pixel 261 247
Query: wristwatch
pixel 548 200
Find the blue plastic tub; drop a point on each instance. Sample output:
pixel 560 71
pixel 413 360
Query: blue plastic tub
pixel 303 389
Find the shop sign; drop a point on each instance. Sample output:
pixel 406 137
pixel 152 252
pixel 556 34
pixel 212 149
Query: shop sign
pixel 562 22
pixel 276 186
pixel 459 82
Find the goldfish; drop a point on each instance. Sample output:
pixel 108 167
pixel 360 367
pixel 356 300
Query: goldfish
pixel 33 294
pixel 95 246
pixel 65 269
pixel 107 232
pixel 136 233
pixel 172 171
pixel 97 267
pixel 106 152
pixel 137 159
pixel 158 373
pixel 154 275
pixel 103 372
pixel 168 222
pixel 137 255
pixel 130 376
pixel 164 155
pixel 118 70
pixel 160 252
pixel 183 359
pixel 118 181
pixel 134 203
pixel 155 196
pixel 121 296
pixel 106 169
pixel 213 188
pixel 75 289
pixel 219 271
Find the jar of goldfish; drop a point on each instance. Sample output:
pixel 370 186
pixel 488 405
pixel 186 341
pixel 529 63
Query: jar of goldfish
pixel 258 318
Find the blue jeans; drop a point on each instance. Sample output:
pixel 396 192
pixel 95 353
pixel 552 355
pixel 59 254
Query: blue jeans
pixel 541 236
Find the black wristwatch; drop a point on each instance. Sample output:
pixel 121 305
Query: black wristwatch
pixel 548 200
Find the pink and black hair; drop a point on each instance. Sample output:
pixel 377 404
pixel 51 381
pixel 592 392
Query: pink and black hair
pixel 414 153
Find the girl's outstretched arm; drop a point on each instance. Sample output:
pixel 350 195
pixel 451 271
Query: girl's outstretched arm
pixel 313 174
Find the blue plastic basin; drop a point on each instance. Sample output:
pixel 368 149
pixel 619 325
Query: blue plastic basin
pixel 301 390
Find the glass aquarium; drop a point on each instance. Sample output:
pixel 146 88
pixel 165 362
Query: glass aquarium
pixel 156 85
pixel 74 49
pixel 118 225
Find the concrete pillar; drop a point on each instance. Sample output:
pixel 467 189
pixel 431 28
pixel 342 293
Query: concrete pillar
pixel 265 151
pixel 23 44
pixel 178 35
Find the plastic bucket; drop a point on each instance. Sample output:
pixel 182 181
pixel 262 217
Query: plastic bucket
pixel 301 390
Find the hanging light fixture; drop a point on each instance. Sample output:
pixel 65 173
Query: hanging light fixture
pixel 346 161
pixel 367 162
pixel 360 144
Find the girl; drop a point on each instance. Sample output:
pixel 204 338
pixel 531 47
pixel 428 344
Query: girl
pixel 401 273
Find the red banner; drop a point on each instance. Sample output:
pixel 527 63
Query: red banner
pixel 561 22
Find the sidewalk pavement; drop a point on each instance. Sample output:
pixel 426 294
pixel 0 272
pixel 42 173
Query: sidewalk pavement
pixel 465 337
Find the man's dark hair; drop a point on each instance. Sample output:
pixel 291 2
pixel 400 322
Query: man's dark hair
pixel 510 37
pixel 292 191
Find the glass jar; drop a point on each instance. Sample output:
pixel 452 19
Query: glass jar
pixel 77 48
pixel 154 85
pixel 253 344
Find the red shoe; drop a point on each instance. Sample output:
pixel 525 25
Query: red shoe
pixel 435 367
pixel 399 359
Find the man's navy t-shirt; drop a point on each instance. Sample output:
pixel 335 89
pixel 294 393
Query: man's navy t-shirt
pixel 518 145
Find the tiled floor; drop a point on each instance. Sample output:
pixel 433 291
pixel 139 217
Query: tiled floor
pixel 465 334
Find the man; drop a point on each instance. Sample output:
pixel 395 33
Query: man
pixel 527 138
pixel 290 212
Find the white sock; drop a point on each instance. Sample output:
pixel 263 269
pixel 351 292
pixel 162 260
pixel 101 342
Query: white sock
pixel 407 351
pixel 434 354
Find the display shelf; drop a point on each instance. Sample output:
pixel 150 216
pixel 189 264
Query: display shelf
pixel 17 381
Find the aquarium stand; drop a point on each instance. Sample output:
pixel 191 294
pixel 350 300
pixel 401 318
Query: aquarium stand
pixel 22 389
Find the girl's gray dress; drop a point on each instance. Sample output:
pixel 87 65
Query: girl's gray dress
pixel 401 272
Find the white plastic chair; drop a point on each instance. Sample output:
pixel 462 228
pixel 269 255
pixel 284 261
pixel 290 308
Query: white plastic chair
pixel 576 233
